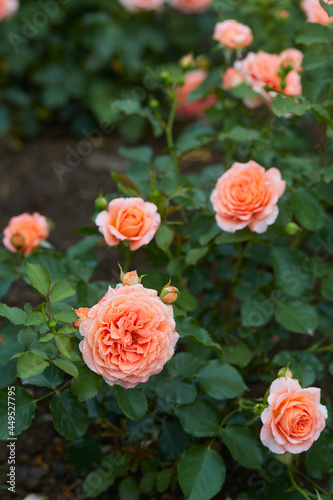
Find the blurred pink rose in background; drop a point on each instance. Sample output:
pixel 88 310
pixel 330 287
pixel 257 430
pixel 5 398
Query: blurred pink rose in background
pixel 315 13
pixel 137 5
pixel 191 6
pixel 8 7
pixel 195 109
pixel 232 34
pixel 25 232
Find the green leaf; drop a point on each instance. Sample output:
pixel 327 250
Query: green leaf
pixel 327 288
pixel 30 364
pixel 201 418
pixel 24 411
pixel 39 277
pixel 27 337
pixel 283 105
pixel 319 458
pixel 239 134
pixel 128 489
pixel 297 316
pixel 329 9
pixel 51 377
pixel 164 479
pixel 313 33
pixel 140 153
pixel 308 210
pixel 65 316
pixel 87 385
pixel 64 344
pixel 257 310
pixel 313 60
pixel 14 314
pixel 291 272
pixel 201 473
pixel 194 255
pixel 133 402
pixel 60 291
pixel 34 318
pixel 221 380
pixel 238 354
pixel 164 237
pixel 70 418
pixel 189 328
pixel 176 391
pixel 237 237
pixel 46 338
pixel 183 364
pixel 243 445
pixel 67 366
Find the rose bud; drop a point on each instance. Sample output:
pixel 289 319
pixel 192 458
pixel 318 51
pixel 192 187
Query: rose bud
pixel 292 228
pixel 187 61
pixel 81 313
pixel 130 278
pixel 285 372
pixel 169 294
pixel 101 203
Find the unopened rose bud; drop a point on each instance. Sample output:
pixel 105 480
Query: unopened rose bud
pixel 202 62
pixel 187 61
pixel 101 203
pixel 292 228
pixel 130 278
pixel 285 372
pixel 284 13
pixel 52 324
pixel 82 314
pixel 258 409
pixel 169 294
pixel 153 103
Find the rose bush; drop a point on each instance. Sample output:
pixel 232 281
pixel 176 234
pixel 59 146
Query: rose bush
pixel 161 374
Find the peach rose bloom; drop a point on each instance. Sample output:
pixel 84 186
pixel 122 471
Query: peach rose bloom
pixel 232 34
pixel 130 219
pixel 191 6
pixel 293 84
pixel 260 69
pixel 247 195
pixel 8 7
pixel 142 5
pixel 294 418
pixel 81 313
pixel 128 336
pixel 195 109
pixel 25 232
pixel 315 13
pixel 232 78
pixel 292 57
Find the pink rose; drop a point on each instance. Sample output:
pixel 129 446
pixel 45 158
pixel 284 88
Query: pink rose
pixel 292 57
pixel 247 195
pixel 25 232
pixel 195 109
pixel 131 219
pixel 8 7
pixel 315 13
pixel 128 336
pixel 232 78
pixel 293 84
pixel 232 34
pixel 191 6
pixel 142 5
pixel 131 278
pixel 294 418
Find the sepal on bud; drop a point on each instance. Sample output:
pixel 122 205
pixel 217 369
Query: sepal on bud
pixel 285 372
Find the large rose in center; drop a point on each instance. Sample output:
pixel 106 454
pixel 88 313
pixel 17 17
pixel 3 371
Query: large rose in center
pixel 128 336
